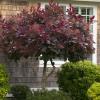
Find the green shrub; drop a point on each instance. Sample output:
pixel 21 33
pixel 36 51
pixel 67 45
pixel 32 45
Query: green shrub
pixel 49 95
pixel 75 78
pixel 21 92
pixel 94 91
pixel 4 83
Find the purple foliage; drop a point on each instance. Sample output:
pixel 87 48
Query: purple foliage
pixel 49 33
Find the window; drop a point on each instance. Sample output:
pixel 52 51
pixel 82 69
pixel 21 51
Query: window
pixel 86 12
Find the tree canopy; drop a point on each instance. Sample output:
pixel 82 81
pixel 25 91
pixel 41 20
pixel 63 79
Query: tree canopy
pixel 48 32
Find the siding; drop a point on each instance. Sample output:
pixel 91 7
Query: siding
pixel 98 35
pixel 7 8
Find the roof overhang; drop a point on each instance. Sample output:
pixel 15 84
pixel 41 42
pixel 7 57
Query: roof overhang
pixel 88 0
pixel 94 1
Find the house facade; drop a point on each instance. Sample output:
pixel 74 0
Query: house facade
pixel 29 71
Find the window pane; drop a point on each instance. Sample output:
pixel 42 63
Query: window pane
pixel 89 11
pixel 83 11
pixel 91 28
pixel 77 10
pixel 88 18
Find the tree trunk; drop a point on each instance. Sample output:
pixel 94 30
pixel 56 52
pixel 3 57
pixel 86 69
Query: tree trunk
pixel 46 76
pixel 44 80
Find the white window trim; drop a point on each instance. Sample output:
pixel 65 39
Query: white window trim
pixel 94 56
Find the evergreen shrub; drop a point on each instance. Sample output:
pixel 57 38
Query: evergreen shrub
pixel 75 78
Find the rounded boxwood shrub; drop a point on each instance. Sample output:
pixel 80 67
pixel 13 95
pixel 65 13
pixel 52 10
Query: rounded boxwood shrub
pixel 21 92
pixel 4 82
pixel 94 91
pixel 50 95
pixel 75 78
